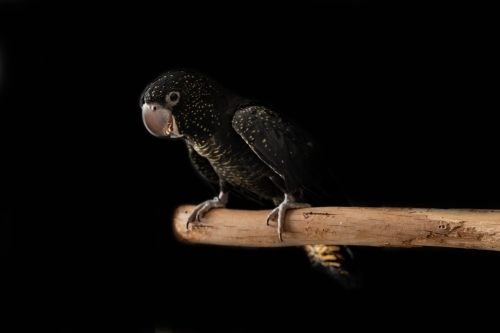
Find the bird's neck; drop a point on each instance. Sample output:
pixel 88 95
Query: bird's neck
pixel 206 120
pixel 200 127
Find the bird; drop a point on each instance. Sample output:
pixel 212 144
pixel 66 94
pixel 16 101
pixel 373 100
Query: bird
pixel 245 147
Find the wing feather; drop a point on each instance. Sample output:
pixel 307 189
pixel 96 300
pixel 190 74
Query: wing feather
pixel 283 146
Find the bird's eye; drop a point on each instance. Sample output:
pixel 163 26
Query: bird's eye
pixel 172 98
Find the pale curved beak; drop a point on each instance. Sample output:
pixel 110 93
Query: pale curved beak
pixel 157 119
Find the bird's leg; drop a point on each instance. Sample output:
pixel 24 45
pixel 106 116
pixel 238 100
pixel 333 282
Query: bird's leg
pixel 280 211
pixel 201 209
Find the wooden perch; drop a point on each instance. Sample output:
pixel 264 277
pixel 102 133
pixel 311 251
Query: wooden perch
pixel 394 227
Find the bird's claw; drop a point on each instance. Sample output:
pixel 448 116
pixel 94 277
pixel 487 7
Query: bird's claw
pixel 203 208
pixel 271 215
pixel 280 211
pixel 276 212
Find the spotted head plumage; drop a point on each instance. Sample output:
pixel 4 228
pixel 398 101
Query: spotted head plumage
pixel 182 103
pixel 157 90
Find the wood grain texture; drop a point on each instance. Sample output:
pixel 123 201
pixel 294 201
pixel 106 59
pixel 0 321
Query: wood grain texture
pixel 364 226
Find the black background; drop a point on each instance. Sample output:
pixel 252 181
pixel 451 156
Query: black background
pixel 400 95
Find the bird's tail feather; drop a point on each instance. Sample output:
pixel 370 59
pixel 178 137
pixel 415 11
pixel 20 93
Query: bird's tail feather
pixel 337 262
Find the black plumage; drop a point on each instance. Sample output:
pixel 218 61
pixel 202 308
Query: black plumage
pixel 241 145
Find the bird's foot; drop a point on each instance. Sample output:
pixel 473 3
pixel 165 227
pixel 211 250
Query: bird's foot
pixel 280 211
pixel 202 208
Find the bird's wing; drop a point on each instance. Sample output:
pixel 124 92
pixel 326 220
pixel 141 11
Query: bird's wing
pixel 288 150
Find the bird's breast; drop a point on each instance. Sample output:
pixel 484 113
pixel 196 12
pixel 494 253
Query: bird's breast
pixel 235 163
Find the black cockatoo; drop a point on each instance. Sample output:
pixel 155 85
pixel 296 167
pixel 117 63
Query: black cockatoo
pixel 245 146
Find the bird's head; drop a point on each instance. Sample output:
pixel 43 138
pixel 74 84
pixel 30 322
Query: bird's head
pixel 177 102
pixel 158 116
pixel 158 102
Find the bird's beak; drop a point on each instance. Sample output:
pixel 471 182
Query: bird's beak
pixel 158 120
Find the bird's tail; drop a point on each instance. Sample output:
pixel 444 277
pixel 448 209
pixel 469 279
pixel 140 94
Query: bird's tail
pixel 337 262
